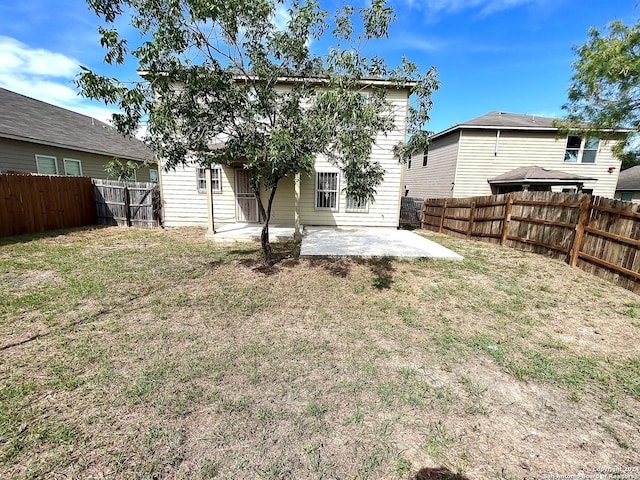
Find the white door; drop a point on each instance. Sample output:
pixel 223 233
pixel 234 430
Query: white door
pixel 246 202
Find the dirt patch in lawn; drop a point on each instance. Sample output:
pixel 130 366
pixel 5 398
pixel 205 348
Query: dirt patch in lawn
pixel 184 361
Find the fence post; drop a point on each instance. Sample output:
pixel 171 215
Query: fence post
pixel 507 219
pixel 585 203
pixel 127 201
pixel 472 214
pixel 442 214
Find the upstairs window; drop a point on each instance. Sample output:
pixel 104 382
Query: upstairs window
pixel 46 165
pixel 327 191
pixel 153 175
pixel 425 157
pixel 72 167
pixel 581 149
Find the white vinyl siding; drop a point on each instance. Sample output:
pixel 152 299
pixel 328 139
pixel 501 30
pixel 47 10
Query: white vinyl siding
pixel 72 167
pixel 47 165
pixel 182 204
pixel 478 160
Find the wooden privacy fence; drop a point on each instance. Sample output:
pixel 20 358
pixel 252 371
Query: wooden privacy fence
pixel 127 203
pixel 597 234
pixel 37 203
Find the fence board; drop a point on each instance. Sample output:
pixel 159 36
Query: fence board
pixel 596 234
pixel 35 203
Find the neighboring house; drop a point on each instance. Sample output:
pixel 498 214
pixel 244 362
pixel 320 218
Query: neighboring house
pixel 628 188
pixel 315 200
pixel 38 137
pixel 503 152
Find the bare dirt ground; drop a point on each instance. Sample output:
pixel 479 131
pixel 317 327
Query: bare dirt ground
pixel 157 354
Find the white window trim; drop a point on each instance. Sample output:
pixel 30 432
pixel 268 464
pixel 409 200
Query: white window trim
pixel 337 191
pixel 581 150
pixel 64 163
pixel 49 157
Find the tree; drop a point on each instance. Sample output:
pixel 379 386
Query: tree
pixel 211 91
pixel 604 95
pixel 120 171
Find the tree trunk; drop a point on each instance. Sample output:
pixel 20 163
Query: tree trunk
pixel 266 217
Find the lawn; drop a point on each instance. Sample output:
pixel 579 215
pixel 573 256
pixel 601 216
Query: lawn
pixel 158 354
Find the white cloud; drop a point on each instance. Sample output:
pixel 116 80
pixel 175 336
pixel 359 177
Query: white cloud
pixel 486 7
pixel 282 17
pixel 46 76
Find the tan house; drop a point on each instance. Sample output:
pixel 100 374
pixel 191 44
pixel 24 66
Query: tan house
pixel 503 152
pixel 38 137
pixel 306 200
pixel 628 188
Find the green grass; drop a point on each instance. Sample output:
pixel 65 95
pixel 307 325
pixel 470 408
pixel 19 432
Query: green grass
pixel 158 354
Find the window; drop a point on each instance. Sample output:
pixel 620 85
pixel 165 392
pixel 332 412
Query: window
pixel 425 157
pixel 46 165
pixel 153 175
pixel 587 191
pixel 581 150
pixel 216 179
pixel 201 180
pixel 409 164
pixel 353 205
pixel 626 196
pixel 72 167
pixel 327 191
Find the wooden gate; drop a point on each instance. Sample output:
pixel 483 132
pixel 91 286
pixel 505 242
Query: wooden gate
pixel 246 202
pixel 131 204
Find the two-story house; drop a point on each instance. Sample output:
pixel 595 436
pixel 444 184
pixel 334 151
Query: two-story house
pixel 502 152
pixel 303 200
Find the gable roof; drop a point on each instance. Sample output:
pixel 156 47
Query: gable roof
pixel 509 121
pixel 539 175
pixel 30 120
pixel 503 121
pixel 629 179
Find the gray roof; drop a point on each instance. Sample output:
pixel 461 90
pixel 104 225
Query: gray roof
pixel 534 174
pixel 629 179
pixel 30 120
pixel 509 121
pixel 503 120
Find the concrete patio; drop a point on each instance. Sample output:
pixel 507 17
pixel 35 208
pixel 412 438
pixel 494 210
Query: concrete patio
pixel 370 242
pixel 342 241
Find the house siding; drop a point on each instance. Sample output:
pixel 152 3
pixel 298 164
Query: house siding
pixel 19 156
pixel 480 160
pixel 184 206
pixel 436 179
pixel 385 210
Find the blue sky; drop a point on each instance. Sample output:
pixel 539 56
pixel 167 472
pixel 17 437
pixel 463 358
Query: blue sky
pixel 509 55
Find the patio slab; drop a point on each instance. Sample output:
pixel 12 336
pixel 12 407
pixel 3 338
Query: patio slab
pixel 370 242
pixel 250 232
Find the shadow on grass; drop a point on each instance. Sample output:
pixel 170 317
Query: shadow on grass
pixel 285 254
pixel 30 237
pixel 440 473
pixel 382 269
